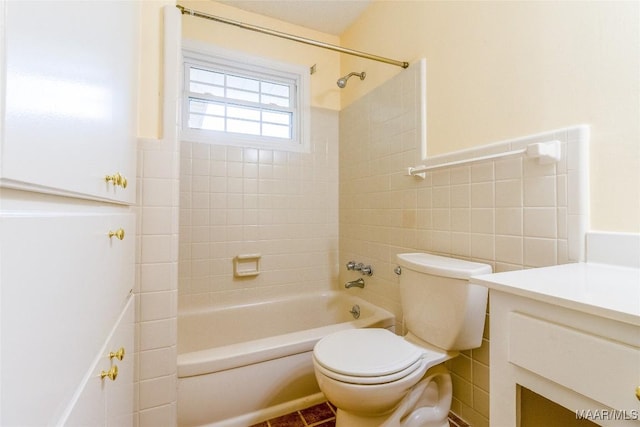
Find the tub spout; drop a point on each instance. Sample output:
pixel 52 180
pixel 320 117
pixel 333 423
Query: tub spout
pixel 355 283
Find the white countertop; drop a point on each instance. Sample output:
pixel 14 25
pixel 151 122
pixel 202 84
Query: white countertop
pixel 603 290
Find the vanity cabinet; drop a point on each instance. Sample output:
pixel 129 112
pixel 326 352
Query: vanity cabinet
pixel 106 398
pixel 569 333
pixel 600 368
pixel 70 98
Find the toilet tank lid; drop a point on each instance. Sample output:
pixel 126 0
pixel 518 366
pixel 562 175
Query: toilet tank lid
pixel 442 266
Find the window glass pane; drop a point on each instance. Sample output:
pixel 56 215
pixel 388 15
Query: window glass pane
pixel 206 76
pixel 243 126
pixel 241 95
pixel 198 121
pixel 203 107
pixel 197 106
pixel 195 121
pixel 206 89
pixel 243 83
pixel 276 131
pixel 274 100
pixel 243 113
pixel 276 117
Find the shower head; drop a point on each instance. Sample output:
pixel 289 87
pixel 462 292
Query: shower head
pixel 342 82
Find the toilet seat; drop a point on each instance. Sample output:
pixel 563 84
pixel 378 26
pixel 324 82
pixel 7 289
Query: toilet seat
pixel 369 356
pixel 371 380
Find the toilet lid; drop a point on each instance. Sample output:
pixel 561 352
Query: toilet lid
pixel 368 352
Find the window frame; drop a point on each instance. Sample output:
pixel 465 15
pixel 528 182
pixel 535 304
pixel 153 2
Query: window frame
pixel 217 59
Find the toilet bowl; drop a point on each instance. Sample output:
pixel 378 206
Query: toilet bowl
pixel 371 376
pixel 379 379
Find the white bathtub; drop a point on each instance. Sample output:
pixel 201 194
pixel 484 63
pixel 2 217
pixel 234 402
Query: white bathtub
pixel 243 364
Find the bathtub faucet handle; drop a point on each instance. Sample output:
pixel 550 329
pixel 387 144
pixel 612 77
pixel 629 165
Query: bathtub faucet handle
pixel 366 269
pixel 355 283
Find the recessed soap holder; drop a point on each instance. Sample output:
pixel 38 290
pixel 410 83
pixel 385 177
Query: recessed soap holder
pixel 246 265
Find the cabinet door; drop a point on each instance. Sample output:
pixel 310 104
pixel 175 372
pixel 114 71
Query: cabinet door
pixel 64 283
pixel 70 99
pixel 119 393
pixel 102 401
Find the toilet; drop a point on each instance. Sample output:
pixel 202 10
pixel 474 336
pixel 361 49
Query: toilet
pixel 379 379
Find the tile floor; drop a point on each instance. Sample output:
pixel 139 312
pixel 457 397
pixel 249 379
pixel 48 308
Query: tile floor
pixel 320 415
pixel 324 415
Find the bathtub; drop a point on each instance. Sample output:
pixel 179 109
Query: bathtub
pixel 244 364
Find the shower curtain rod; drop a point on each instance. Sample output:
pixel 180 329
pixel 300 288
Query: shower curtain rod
pixel 287 36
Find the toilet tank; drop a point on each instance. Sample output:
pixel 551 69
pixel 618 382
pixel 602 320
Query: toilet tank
pixel 439 304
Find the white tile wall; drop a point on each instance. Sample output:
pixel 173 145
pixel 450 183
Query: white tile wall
pixel 157 257
pixel 283 205
pixel 157 281
pixel 511 213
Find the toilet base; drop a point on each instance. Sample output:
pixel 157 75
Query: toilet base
pixel 344 419
pixel 427 404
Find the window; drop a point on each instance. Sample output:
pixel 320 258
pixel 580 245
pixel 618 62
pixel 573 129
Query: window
pixel 233 99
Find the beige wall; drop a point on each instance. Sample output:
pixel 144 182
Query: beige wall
pixel 324 92
pixel 500 70
pixel 150 81
pixel 496 70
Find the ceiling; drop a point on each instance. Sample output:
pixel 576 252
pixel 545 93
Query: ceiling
pixel 327 16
